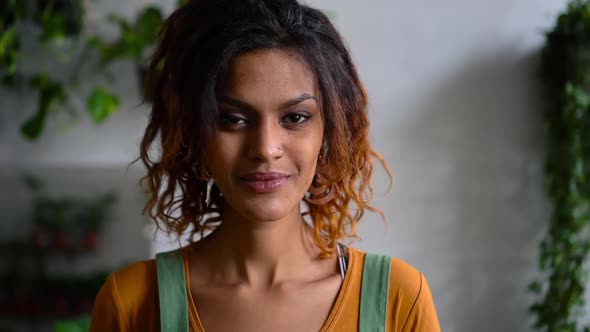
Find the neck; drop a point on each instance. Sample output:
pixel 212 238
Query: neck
pixel 259 253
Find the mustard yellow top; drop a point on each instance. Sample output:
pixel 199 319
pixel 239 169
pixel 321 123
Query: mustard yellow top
pixel 128 301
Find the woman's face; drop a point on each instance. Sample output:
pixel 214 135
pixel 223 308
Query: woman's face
pixel 263 156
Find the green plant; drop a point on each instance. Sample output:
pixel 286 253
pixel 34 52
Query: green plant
pixel 59 20
pixel 56 21
pixel 135 38
pixel 565 71
pixel 135 41
pixel 81 324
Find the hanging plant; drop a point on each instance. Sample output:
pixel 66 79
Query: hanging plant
pixel 135 41
pixel 58 20
pixel 565 71
pixel 54 21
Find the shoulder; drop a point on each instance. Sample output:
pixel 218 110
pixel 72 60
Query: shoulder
pixel 410 299
pixel 128 299
pixel 135 282
pixel 402 275
pixel 405 279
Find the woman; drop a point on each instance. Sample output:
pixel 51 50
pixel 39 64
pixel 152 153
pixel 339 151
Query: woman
pixel 259 112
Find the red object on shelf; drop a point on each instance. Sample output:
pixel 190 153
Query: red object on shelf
pixel 90 241
pixel 4 308
pixel 62 241
pixel 35 306
pixel 41 238
pixel 62 306
pixel 85 305
pixel 20 307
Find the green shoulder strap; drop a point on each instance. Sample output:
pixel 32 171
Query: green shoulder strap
pixel 172 292
pixel 374 290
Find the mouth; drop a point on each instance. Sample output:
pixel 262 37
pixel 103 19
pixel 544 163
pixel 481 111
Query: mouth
pixel 264 182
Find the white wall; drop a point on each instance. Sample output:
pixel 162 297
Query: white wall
pixel 456 112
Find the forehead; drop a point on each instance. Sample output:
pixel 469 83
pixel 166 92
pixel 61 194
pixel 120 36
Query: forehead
pixel 272 74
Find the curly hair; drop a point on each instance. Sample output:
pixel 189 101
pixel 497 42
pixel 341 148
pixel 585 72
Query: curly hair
pixel 197 43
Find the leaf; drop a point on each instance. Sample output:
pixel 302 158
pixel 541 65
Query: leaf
pixel 119 20
pixel 101 104
pixel 148 24
pixel 7 38
pixel 9 46
pixel 33 127
pixel 54 28
pixel 9 80
pixel 579 96
pixel 50 94
pixel 80 324
pixel 32 182
pixel 535 287
pixel 134 38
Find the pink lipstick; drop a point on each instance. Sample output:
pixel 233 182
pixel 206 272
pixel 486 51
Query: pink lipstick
pixel 264 182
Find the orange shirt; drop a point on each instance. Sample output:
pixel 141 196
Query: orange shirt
pixel 128 301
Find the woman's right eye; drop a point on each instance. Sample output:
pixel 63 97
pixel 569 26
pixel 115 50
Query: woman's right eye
pixel 233 119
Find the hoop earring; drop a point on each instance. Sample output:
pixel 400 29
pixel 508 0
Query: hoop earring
pixel 319 194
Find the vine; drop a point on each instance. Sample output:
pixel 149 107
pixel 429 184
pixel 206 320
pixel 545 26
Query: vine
pixel 565 72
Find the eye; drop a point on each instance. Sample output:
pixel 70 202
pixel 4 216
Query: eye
pixel 296 117
pixel 233 119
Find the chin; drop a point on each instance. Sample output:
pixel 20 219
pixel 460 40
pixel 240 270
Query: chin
pixel 266 211
pixel 266 214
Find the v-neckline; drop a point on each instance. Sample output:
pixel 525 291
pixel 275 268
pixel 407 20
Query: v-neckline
pixel 197 326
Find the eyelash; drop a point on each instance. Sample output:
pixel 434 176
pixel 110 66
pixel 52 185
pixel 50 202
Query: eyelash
pixel 228 119
pixel 236 120
pixel 303 117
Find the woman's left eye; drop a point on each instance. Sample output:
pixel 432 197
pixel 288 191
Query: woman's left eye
pixel 296 118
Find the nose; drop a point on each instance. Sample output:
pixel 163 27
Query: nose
pixel 265 141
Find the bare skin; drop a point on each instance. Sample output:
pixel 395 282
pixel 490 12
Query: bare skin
pixel 260 270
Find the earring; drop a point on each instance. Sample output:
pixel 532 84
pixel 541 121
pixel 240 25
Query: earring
pixel 319 194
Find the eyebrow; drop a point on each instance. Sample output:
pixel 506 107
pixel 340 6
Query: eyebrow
pixel 248 107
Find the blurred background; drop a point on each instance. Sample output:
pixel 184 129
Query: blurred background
pixel 459 109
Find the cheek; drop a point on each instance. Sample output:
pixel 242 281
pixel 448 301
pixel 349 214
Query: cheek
pixel 307 155
pixel 222 154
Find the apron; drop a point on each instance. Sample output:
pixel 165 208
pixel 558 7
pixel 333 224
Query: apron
pixel 172 287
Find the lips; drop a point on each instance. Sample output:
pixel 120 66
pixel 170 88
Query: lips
pixel 264 182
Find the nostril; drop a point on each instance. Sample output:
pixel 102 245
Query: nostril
pixel 266 154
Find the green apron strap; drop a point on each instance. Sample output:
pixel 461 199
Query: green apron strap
pixel 172 292
pixel 374 291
